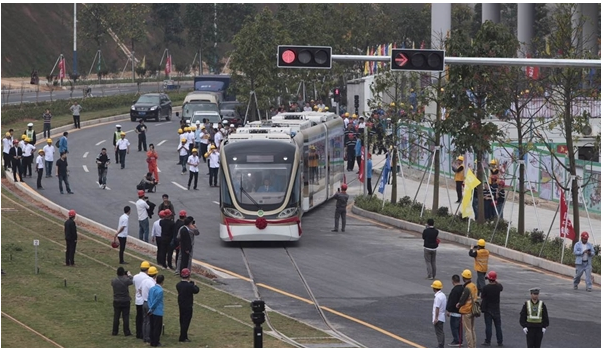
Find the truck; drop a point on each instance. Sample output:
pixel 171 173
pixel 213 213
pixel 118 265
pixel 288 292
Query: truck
pixel 217 84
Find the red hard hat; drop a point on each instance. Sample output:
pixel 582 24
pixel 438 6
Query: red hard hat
pixel 501 183
pixel 161 213
pixel 492 275
pixel 185 273
pixel 114 244
pixel 140 193
pixel 71 213
pixel 584 235
pixel 182 213
pixel 344 187
pixel 167 212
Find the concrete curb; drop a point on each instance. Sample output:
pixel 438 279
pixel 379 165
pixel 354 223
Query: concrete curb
pixel 495 249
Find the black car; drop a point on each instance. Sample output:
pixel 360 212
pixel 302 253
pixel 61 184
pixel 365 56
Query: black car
pixel 151 106
pixel 232 111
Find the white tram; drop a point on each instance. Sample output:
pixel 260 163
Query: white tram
pixel 272 172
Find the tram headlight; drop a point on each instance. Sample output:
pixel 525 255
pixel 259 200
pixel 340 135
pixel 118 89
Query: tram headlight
pixel 288 212
pixel 231 212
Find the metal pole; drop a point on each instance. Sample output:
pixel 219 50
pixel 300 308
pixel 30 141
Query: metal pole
pixel 403 179
pixel 365 159
pixel 587 212
pixel 133 67
pixel 532 195
pixel 511 209
pixel 419 185
pixel 545 62
pixel 75 39
pixel 428 180
pixel 549 230
pixel 566 230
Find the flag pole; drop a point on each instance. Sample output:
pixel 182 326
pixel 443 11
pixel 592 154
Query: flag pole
pixel 511 209
pixel 532 196
pixel 587 212
pixel 428 180
pixel 549 230
pixel 566 227
pixel 468 230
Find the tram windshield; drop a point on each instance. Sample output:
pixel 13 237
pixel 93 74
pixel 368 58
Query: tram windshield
pixel 260 185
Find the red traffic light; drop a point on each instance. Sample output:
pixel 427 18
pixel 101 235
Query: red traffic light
pixel 288 56
pixel 337 91
pixel 417 60
pixel 310 57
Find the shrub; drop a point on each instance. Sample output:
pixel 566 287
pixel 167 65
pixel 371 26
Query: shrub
pixel 417 206
pixel 537 236
pixel 443 211
pixel 405 201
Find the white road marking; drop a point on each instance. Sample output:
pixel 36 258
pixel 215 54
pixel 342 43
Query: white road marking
pixel 161 142
pixel 158 170
pixel 100 142
pixel 134 203
pixel 180 186
pixel 86 154
pixel 85 168
pixel 216 202
pixel 131 130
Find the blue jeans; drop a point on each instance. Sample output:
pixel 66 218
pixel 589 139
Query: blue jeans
pixel 454 325
pixel 48 168
pixel 500 209
pixel 496 318
pixel 183 161
pixel 66 180
pixel 143 230
pixel 586 268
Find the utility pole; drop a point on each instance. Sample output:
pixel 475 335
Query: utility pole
pixel 74 39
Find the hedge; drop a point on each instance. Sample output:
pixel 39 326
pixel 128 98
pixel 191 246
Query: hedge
pixel 529 243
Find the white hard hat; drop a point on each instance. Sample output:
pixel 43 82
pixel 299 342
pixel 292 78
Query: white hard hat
pixel 187 121
pixel 117 126
pixel 232 125
pixel 215 126
pixel 30 125
pixel 198 122
pixel 225 121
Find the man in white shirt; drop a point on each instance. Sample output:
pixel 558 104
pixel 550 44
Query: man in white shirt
pixel 193 168
pixel 122 232
pixel 141 207
pixel 217 139
pixel 145 288
pixel 156 237
pixel 138 280
pixel 439 305
pixel 40 168
pixel 213 165
pixel 307 107
pixel 7 143
pixel 28 150
pixel 123 147
pixel 183 153
pixel 190 137
pixel 49 151
pixel 204 141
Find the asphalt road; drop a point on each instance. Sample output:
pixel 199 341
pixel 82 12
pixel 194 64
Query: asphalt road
pixel 15 96
pixel 372 275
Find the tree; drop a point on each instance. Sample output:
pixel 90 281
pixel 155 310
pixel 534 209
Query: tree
pixel 566 88
pixel 253 60
pixel 462 17
pixel 166 16
pixel 472 93
pixel 92 21
pixel 128 21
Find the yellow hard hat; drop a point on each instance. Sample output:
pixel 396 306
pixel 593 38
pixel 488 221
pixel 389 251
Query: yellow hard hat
pixel 195 150
pixel 40 151
pixel 49 141
pixel 23 137
pixel 183 140
pixel 122 133
pixel 145 265
pixel 152 271
pixel 326 108
pixel 466 274
pixel 213 147
pixel 493 161
pixel 180 131
pixel 315 107
pixel 392 104
pixel 481 242
pixel 193 128
pixel 460 158
pixel 186 129
pixel 7 134
pixel 346 114
pixel 437 285
pixel 354 116
pixel 27 140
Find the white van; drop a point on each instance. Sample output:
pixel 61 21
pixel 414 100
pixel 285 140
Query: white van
pixel 201 96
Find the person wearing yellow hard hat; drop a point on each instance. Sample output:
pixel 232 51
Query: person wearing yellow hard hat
pixel 40 168
pixel 190 138
pixel 213 159
pixel 116 137
pixel 183 153
pixel 49 151
pixel 141 130
pixel 28 153
pixel 7 143
pixel 494 171
pixel 138 281
pixel 147 284
pixel 193 168
pixel 468 297
pixel 439 305
pixel 458 168
pixel 481 262
pixel 326 108
pixel 123 146
pixel 316 107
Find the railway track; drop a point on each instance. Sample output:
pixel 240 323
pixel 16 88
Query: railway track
pixel 337 339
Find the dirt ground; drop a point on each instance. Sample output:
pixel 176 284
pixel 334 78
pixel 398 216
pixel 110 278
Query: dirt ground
pixel 18 83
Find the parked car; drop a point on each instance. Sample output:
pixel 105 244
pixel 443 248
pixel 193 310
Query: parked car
pixel 151 106
pixel 232 111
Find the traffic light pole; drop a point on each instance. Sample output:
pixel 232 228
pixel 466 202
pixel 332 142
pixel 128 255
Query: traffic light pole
pixel 545 62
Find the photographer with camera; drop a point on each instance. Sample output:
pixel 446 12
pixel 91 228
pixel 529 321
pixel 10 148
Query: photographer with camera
pixel 186 289
pixel 186 235
pixel 121 300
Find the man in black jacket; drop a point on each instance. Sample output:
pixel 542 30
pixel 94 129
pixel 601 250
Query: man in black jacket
pixel 16 154
pixel 490 307
pixel 186 289
pixel 175 241
pixel 534 319
pixel 453 313
pixel 70 239
pixel 121 301
pixel 167 226
pixel 186 235
pixel 429 235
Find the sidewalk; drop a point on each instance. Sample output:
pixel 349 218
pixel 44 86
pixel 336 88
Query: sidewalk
pixel 539 216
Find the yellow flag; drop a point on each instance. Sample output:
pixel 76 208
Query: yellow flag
pixel 143 65
pixel 367 64
pixel 547 46
pixel 470 183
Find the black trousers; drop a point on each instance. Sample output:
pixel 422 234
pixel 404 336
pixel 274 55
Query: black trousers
pixel 369 184
pixel 194 175
pixel 27 161
pixel 213 176
pixel 122 243
pixel 534 337
pixel 185 318
pixel 7 160
pixel 16 167
pixel 39 182
pixel 121 309
pixel 160 252
pixel 459 189
pixel 350 157
pixel 342 214
pixel 70 252
pixel 167 253
pixel 141 142
pixel 185 260
pixel 359 161
pixel 76 121
pixel 156 327
pixel 46 130
pixel 203 151
pixel 139 320
pixel 122 154
pixel 116 156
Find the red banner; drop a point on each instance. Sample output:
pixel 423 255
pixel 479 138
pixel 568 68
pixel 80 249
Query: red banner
pixel 62 68
pixel 361 174
pixel 168 65
pixel 532 72
pixel 566 226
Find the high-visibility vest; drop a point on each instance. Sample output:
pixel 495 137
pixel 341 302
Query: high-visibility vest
pixel 116 137
pixel 459 176
pixel 29 134
pixel 466 308
pixel 534 312
pixel 482 260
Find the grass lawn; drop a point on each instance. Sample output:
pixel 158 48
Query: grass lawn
pixel 80 314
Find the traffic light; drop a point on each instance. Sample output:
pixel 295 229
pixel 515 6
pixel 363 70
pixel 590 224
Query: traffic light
pixel 337 94
pixel 417 60
pixel 308 57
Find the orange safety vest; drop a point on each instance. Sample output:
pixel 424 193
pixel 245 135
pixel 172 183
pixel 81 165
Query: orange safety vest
pixel 466 308
pixel 313 159
pixel 459 176
pixel 482 260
